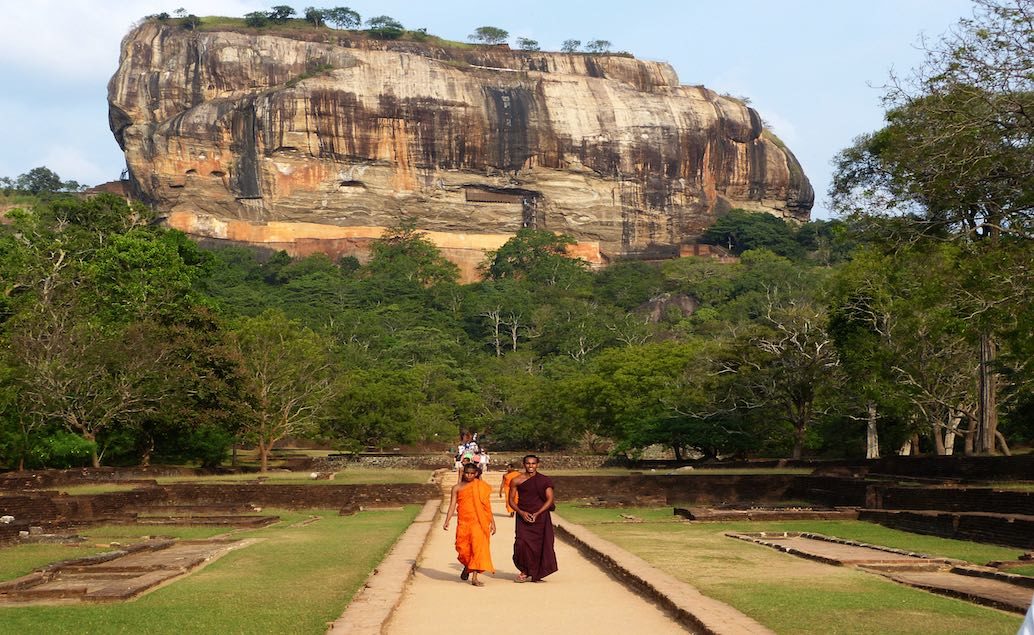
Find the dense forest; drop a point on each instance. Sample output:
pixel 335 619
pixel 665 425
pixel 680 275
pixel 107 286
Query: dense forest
pixel 903 326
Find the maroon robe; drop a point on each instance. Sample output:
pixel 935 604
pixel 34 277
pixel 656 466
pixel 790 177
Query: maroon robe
pixel 533 546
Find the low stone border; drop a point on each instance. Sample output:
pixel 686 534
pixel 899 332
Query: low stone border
pixel 767 538
pixel 373 604
pixel 994 574
pixel 690 608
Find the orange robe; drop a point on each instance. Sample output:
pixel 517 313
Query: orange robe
pixel 474 526
pixel 507 480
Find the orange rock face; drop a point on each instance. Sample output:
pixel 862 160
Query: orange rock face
pixel 328 130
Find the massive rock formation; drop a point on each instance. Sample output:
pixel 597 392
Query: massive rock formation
pixel 329 136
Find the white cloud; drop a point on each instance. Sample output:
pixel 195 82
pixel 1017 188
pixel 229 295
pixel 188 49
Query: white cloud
pixel 71 162
pixel 78 39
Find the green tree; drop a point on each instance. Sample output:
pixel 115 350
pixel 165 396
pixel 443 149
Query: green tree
pixel 787 367
pixel 384 27
pixel 256 19
pixel 281 13
pixel 405 253
pixel 318 17
pixel 570 46
pixel 287 368
pixel 538 256
pixel 598 46
pixel 954 156
pixel 527 44
pixel 43 180
pixel 740 230
pixel 88 379
pixel 345 18
pixel 489 35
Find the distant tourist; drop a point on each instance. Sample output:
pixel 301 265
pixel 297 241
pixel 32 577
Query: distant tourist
pixel 531 494
pixel 471 503
pixel 504 486
pixel 483 459
pixel 467 459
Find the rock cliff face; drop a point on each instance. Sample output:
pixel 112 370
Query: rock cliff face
pixel 344 134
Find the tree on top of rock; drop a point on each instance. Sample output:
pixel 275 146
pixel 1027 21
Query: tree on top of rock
pixel 343 18
pixel 489 35
pixel 385 27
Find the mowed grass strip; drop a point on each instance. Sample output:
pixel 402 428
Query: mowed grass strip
pixel 294 579
pixel 793 595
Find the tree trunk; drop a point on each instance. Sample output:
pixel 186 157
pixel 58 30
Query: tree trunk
pixel 872 439
pixel 145 455
pixel 967 445
pixel 938 441
pixel 949 435
pixel 263 457
pixel 95 459
pixel 1002 443
pixel 798 442
pixel 987 398
pixel 906 448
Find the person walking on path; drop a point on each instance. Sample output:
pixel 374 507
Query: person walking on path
pixel 471 503
pixel 504 486
pixel 531 494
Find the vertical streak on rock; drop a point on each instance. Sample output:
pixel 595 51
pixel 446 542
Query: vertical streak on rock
pixel 244 177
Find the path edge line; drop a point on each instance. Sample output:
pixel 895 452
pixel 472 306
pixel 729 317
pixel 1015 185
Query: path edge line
pixel 690 608
pixel 372 606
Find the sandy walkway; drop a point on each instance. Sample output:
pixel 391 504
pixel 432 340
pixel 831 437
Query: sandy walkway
pixel 579 598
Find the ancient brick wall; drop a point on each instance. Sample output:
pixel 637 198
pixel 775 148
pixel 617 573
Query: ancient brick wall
pixel 697 488
pixel 990 528
pixel 302 496
pixel 957 499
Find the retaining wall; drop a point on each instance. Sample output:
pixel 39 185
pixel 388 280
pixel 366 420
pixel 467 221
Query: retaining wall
pixel 999 529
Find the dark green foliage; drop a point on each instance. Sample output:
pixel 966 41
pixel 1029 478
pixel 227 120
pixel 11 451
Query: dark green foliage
pixel 384 27
pixel 628 284
pixel 489 35
pixel 343 18
pixel 317 17
pixel 570 46
pixel 527 44
pixel 281 13
pixel 740 230
pixel 598 46
pixel 256 19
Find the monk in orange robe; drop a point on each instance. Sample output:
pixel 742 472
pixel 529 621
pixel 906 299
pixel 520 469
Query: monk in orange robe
pixel 471 503
pixel 504 487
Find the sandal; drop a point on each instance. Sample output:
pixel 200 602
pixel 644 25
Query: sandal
pixel 477 583
pixel 521 578
pixel 465 574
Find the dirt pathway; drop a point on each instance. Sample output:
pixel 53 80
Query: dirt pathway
pixel 579 598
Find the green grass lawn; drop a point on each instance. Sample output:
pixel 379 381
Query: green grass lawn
pixel 797 596
pixel 295 579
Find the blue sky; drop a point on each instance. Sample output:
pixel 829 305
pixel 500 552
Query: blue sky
pixel 812 68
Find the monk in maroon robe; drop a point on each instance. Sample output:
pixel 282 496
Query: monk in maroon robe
pixel 531 494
